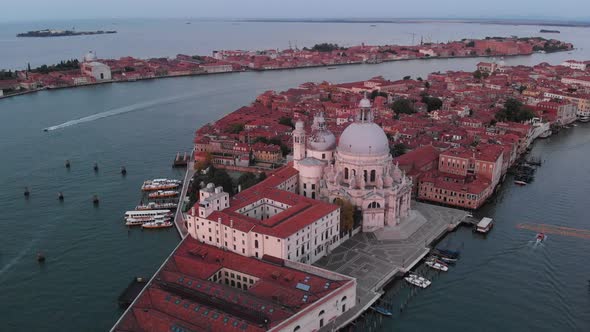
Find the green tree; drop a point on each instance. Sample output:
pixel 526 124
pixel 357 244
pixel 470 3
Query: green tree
pixel 287 121
pixel 398 149
pixel 247 180
pixel 432 103
pixel 236 128
pixel 222 178
pixel 403 105
pixel 407 77
pixel 261 177
pixel 477 74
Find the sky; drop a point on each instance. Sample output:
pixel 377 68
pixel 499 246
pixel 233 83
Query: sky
pixel 34 10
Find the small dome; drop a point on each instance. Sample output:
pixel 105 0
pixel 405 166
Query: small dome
pixel 322 140
pixel 364 139
pixel 365 103
pixel 89 57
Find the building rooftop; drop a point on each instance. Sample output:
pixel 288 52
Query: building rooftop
pixel 192 292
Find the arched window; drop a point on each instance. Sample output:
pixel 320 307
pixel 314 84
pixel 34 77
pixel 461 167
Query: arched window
pixel 321 318
pixel 256 244
pixel 345 173
pixel 365 175
pixel 343 304
pixel 373 205
pixel 373 175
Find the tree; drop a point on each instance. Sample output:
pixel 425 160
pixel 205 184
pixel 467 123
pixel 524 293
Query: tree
pixel 419 79
pixel 261 177
pixel 477 74
pixel 222 178
pixel 346 214
pixel 426 84
pixel 488 51
pixel 514 111
pixel 236 128
pixel 407 77
pixel 470 44
pixel 376 93
pixel 398 149
pixel 403 105
pixel 203 164
pixel 325 47
pixel 247 180
pixel 432 103
pixel 287 121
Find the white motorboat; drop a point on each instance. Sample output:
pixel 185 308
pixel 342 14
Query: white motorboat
pixel 437 265
pixel 417 280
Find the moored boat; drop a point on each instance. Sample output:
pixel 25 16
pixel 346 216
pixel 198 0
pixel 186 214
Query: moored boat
pixel 437 265
pixel 381 310
pixel 157 224
pixel 163 194
pixel 454 254
pixel 156 206
pixel 417 280
pixel 484 225
pixel 520 183
pixel 446 260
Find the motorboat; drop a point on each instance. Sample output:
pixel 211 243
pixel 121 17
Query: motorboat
pixel 446 260
pixel 520 183
pixel 417 280
pixel 437 265
pixel 541 237
pixel 381 310
pixel 447 253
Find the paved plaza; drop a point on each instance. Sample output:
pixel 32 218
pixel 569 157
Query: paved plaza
pixel 375 258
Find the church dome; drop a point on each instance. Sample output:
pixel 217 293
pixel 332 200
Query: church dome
pixel 364 139
pixel 322 140
pixel 89 57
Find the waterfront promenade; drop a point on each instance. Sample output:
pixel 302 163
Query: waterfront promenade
pixel 374 259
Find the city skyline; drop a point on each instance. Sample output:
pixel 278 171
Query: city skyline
pixel 262 9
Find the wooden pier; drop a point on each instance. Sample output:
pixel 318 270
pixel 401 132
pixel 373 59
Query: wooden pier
pixel 181 160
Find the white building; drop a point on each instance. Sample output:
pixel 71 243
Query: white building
pixel 574 64
pixel 99 71
pixel 359 169
pixel 269 219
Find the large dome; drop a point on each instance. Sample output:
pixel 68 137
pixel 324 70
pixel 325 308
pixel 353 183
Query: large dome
pixel 364 139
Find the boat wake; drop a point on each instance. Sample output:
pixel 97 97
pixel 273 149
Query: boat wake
pixel 16 259
pixel 118 111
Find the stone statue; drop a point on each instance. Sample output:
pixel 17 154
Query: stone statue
pixel 380 182
pixel 353 182
pixel 362 182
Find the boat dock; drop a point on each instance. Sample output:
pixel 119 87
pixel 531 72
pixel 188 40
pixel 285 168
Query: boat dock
pixel 181 160
pixel 376 259
pixel 179 215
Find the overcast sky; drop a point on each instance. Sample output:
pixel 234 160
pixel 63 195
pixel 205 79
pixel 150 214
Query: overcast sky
pixel 81 9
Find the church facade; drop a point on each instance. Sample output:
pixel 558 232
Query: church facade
pixel 359 169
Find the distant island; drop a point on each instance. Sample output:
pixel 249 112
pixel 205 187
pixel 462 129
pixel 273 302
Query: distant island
pixel 549 31
pixel 62 33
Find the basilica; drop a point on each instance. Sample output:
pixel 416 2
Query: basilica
pixel 359 169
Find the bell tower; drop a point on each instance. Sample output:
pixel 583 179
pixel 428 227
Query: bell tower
pixel 298 143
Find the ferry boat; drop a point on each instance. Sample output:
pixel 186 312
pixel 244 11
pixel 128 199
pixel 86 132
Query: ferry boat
pixel 158 186
pixel 437 265
pixel 417 280
pixel 484 225
pixel 156 206
pixel 157 224
pixel 141 221
pixel 148 213
pixel 163 194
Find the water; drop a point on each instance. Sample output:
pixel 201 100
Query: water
pixel 504 281
pixel 90 254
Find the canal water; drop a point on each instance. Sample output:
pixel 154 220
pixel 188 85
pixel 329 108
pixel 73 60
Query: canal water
pixel 500 282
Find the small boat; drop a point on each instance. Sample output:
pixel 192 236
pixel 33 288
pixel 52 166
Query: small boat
pixel 95 167
pixel 447 253
pixel 447 259
pixel 40 257
pixel 520 183
pixel 437 265
pixel 157 224
pixel 123 170
pixel 60 196
pixel 67 164
pixel 95 200
pixel 381 310
pixel 27 192
pixel 417 280
pixel 541 237
pixel 331 68
pixel 45 129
